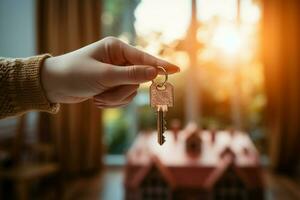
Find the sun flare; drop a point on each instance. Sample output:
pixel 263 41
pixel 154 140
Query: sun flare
pixel 228 39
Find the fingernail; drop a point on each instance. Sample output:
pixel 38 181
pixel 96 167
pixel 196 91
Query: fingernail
pixel 177 68
pixel 151 73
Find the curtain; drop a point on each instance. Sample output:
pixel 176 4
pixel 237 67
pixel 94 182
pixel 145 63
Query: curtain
pixel 63 26
pixel 282 69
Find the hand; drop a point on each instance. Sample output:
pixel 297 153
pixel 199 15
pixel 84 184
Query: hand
pixel 109 71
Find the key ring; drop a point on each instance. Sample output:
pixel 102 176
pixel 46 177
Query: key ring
pixel 161 85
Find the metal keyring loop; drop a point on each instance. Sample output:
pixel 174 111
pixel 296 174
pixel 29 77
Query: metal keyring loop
pixel 166 77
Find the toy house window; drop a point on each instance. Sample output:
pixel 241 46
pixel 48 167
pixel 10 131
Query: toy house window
pixel 154 187
pixel 230 187
pixel 193 145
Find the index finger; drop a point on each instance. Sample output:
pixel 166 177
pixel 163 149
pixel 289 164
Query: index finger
pixel 135 56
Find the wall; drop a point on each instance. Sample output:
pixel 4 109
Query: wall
pixel 17 39
pixel 17 28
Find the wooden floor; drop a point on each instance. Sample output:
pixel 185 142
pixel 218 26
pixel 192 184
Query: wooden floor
pixel 281 188
pixel 109 187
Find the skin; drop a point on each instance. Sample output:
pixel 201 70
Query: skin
pixel 108 71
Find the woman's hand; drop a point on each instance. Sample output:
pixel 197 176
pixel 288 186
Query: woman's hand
pixel 109 71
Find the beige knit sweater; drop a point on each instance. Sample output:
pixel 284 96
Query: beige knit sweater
pixel 20 87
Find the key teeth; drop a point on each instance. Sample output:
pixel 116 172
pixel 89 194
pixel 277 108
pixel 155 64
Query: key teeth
pixel 162 141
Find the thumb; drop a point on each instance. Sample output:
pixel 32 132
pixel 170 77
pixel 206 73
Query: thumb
pixel 134 74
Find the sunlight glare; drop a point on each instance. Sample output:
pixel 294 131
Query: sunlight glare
pixel 250 12
pixel 168 17
pixel 209 9
pixel 227 39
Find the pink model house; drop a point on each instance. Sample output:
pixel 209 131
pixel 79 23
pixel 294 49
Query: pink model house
pixel 194 165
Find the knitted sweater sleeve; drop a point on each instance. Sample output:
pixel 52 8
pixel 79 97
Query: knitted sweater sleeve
pixel 20 87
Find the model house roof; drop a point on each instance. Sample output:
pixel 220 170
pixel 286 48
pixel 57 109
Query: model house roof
pixel 180 170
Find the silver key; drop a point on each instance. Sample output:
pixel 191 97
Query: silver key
pixel 161 98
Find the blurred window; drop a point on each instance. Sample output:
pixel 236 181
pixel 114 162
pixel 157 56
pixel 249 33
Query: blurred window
pixel 230 187
pixel 154 187
pixel 225 67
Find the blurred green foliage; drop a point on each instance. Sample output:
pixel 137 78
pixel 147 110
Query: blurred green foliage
pixel 117 141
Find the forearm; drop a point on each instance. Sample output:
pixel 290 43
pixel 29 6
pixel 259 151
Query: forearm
pixel 20 87
pixel 108 71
